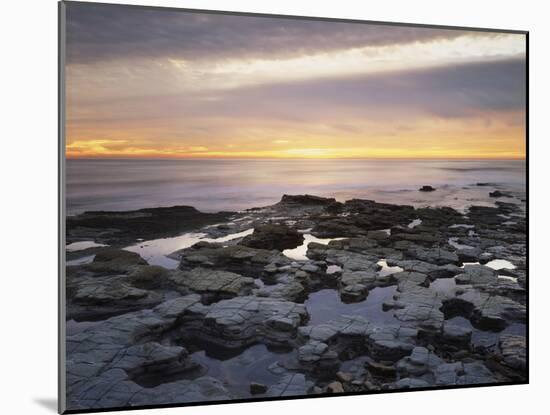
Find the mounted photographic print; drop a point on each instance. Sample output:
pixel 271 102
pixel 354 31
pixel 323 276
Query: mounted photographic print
pixel 259 207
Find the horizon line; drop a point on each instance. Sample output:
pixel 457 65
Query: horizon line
pixel 289 158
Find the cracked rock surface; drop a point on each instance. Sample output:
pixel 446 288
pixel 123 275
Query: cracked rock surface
pixel 311 296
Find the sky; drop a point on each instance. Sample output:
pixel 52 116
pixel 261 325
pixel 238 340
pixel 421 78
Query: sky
pixel 150 83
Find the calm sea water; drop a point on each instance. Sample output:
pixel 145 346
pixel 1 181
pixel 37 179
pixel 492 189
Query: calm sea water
pixel 214 185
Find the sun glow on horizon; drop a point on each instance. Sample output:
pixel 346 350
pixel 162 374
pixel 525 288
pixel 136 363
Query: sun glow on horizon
pixel 456 94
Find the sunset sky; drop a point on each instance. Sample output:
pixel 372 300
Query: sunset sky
pixel 162 84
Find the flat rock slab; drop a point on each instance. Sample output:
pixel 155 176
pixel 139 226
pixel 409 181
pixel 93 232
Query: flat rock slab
pixel 243 321
pixel 203 280
pixel 514 351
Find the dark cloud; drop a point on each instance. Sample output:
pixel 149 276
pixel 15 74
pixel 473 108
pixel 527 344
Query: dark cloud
pixel 447 91
pixel 105 32
pixel 466 90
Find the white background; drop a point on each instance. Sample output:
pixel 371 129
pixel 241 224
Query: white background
pixel 28 277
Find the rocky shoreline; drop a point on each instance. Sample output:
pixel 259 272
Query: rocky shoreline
pixel 327 297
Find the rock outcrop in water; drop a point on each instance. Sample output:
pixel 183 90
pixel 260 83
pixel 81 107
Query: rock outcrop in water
pixel 120 228
pixel 279 237
pixel 137 331
pixel 426 188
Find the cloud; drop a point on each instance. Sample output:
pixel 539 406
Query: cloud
pixel 468 90
pixel 459 110
pixel 97 32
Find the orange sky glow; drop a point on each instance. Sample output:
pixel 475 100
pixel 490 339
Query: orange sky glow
pixel 369 92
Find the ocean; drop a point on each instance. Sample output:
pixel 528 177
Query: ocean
pixel 231 185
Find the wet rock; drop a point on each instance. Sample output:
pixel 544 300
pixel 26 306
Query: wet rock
pixel 435 256
pixel 279 237
pixel 257 388
pixel 447 373
pixel 148 276
pixel 359 245
pixel 107 291
pixel 234 258
pixel 407 280
pixel 92 298
pixel 255 290
pixel 469 254
pixel 103 359
pixel 114 261
pixel 335 387
pixel 391 342
pixel 152 358
pixel 420 306
pixel 353 293
pixel 312 351
pixel 474 373
pixel 290 385
pixel 213 283
pixel 456 335
pixel 379 236
pixel 485 257
pixel 426 188
pixel 420 361
pixel 421 238
pixel 203 389
pixel 362 216
pixel 486 311
pixel 344 377
pixel 124 228
pixel 293 291
pixel 306 200
pixel 514 351
pixel 476 274
pixel 445 271
pixel 381 369
pixel 408 383
pixel 496 193
pixel 242 321
pixel 415 266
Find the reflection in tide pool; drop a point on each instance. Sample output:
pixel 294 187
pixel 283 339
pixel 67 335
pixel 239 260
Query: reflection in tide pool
pixel 155 251
pixel 414 223
pixel 299 253
pixel 81 261
pixel 255 364
pixel 79 246
pixel 386 269
pixel 500 264
pixel 325 305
